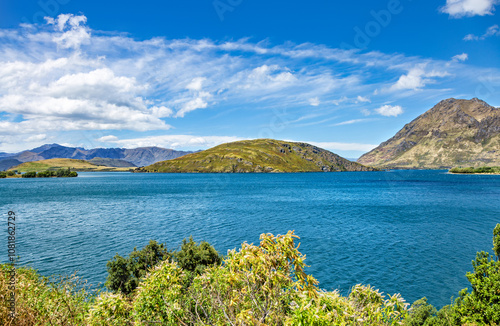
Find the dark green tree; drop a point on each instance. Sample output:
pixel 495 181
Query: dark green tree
pixel 194 258
pixel 482 305
pixel 420 312
pixel 31 174
pixel 124 274
pixel 496 241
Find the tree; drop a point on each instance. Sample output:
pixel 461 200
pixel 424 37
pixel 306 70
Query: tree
pixel 193 258
pixel 124 274
pixel 31 174
pixel 482 305
pixel 496 241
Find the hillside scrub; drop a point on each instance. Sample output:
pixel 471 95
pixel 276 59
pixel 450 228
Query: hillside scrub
pixel 261 284
pixel 485 169
pixel 61 173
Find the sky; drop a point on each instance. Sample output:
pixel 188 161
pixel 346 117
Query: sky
pixel 192 74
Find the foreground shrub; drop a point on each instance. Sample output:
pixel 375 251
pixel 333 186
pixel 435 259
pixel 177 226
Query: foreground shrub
pixel 110 310
pixel 159 300
pixel 41 301
pixel 254 286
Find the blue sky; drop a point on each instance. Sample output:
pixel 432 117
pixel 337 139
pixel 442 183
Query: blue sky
pixel 193 74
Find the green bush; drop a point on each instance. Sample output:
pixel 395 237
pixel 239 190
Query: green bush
pixel 3 175
pixel 159 298
pixel 193 258
pixel 31 174
pixel 46 174
pixel 110 310
pixel 10 173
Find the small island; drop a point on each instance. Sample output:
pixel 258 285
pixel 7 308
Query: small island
pixel 480 170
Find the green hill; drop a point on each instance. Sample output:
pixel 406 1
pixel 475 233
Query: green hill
pixel 63 163
pixel 260 155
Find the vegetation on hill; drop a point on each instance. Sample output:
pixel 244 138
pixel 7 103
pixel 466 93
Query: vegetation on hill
pixel 260 155
pixel 63 163
pixel 452 133
pixel 8 174
pixel 472 170
pixel 255 285
pixel 61 173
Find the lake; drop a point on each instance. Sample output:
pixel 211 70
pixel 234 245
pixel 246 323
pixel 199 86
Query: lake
pixel 408 232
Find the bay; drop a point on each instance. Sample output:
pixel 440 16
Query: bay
pixel 408 232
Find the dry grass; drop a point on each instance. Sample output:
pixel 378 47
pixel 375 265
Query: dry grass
pixel 64 163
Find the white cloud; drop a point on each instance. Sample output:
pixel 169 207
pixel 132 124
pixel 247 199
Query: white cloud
pixel 340 100
pixel 460 57
pixel 72 30
pixel 469 8
pixel 350 122
pixel 194 104
pixel 97 99
pixel 491 31
pixel 196 84
pixel 109 138
pixel 416 78
pixel 362 99
pixel 389 110
pixel 314 101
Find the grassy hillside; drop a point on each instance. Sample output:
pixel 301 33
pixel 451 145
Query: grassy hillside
pixel 260 155
pixel 63 163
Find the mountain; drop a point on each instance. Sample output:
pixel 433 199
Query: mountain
pixel 260 155
pixel 7 163
pixel 111 162
pixel 452 133
pixel 137 157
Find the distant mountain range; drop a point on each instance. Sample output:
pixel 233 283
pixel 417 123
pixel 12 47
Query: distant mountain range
pixel 141 156
pixel 259 155
pixel 453 133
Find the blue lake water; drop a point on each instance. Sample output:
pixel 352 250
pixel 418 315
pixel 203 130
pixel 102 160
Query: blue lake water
pixel 408 232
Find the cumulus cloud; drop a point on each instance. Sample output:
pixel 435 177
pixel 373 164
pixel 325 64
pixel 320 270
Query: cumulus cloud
pixel 469 8
pixel 416 78
pixel 491 31
pixel 389 110
pixel 72 32
pixel 97 99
